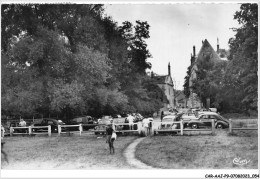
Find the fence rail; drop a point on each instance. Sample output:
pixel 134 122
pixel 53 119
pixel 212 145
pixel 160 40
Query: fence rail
pixel 68 126
pixel 182 129
pixel 242 123
pixel 135 127
pixel 29 130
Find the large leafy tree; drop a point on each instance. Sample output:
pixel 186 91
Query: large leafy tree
pixel 72 60
pixel 208 83
pixel 241 76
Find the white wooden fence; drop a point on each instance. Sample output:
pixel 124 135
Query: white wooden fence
pixel 30 130
pixel 243 124
pixel 181 129
pixel 68 131
pixel 118 127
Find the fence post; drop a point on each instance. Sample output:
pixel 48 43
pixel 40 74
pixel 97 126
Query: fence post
pixel 59 130
pixel 181 124
pixel 11 131
pixel 213 126
pixel 80 129
pixel 230 126
pixel 49 130
pixel 30 130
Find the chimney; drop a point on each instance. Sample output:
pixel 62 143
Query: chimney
pixel 194 51
pixel 152 75
pixel 217 46
pixel 169 69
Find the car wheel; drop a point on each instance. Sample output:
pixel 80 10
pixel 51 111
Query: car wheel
pixel 194 126
pixel 220 126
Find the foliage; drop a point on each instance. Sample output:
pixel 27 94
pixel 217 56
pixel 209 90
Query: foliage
pixel 232 86
pixel 72 60
pixel 241 80
pixel 209 79
pixel 186 86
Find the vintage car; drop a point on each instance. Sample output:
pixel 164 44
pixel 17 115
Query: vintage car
pixel 168 122
pixel 102 125
pixel 45 122
pixel 87 123
pixel 205 119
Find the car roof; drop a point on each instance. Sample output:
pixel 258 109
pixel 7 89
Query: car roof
pixel 169 116
pixel 208 113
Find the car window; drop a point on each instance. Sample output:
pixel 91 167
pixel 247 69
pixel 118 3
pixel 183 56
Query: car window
pixel 50 122
pixel 204 117
pixel 213 117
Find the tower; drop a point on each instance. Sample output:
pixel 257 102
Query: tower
pixel 169 69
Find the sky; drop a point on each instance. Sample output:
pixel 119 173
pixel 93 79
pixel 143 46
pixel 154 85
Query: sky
pixel 176 28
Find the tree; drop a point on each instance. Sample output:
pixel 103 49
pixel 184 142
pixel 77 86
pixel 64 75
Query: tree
pixel 242 69
pixel 71 60
pixel 186 85
pixel 209 80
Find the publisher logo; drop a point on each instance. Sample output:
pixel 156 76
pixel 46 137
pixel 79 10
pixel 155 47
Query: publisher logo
pixel 239 161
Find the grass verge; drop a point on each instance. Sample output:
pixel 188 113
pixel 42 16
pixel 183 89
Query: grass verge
pixel 74 152
pixel 200 151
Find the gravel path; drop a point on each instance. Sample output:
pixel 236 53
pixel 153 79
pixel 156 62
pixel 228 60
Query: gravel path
pixel 129 154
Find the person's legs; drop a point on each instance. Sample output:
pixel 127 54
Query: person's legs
pixel 109 142
pixel 112 145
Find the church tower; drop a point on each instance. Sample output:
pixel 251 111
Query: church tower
pixel 169 69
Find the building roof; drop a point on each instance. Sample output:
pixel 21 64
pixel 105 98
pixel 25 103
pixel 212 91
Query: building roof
pixel 160 79
pixel 207 49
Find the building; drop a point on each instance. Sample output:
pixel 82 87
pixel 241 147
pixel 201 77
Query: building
pixel 165 82
pixel 181 100
pixel 206 53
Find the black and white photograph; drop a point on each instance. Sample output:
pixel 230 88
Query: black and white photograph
pixel 129 89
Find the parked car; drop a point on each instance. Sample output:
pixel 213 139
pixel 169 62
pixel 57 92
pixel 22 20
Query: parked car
pixel 45 122
pixel 213 109
pixel 102 125
pixel 167 117
pixel 116 116
pixel 83 120
pixel 188 116
pixel 168 122
pixel 205 119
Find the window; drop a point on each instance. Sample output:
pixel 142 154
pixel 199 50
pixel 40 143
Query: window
pixel 212 117
pixel 205 117
pixel 50 122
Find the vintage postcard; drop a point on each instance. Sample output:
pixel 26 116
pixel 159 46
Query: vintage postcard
pixel 129 89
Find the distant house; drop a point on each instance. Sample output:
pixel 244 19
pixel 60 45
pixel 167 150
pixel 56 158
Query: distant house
pixel 181 100
pixel 165 82
pixel 206 53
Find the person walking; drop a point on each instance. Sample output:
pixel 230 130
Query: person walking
pixel 109 139
pixel 162 114
pixel 146 126
pixel 150 124
pixel 130 119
